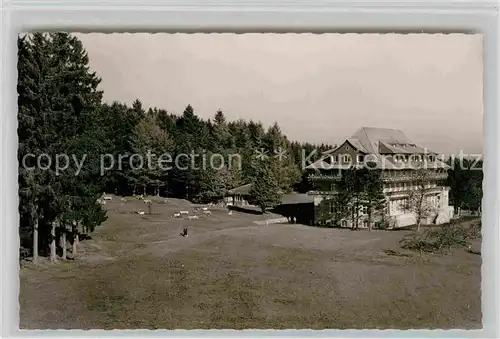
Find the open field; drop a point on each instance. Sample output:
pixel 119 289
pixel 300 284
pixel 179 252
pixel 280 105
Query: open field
pixel 137 272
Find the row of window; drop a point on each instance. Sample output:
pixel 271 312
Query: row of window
pixel 397 206
pixel 362 209
pixel 403 145
pixel 399 186
pixel 403 186
pixel 413 158
pixel 346 158
pixel 402 173
pixel 344 223
pixel 403 205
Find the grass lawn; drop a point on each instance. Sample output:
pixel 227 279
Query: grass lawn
pixel 230 272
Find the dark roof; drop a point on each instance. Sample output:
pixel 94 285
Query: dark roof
pixel 296 198
pixel 241 190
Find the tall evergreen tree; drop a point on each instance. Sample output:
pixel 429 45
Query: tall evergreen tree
pixel 465 178
pixel 119 127
pixel 265 186
pixel 190 139
pixel 350 194
pixel 150 142
pixel 373 194
pixel 59 114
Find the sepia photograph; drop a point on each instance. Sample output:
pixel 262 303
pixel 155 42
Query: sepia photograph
pixel 250 181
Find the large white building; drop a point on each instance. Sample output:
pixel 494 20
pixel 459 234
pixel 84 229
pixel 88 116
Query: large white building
pixel 403 163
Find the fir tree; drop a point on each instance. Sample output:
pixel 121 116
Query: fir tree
pixel 59 114
pixel 265 187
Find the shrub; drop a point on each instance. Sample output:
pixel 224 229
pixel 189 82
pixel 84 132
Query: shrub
pixel 382 224
pixel 418 241
pixel 325 224
pixel 436 240
pixel 24 253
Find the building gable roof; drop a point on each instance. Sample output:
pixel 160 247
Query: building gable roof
pixel 377 142
pixel 371 136
pixel 354 143
pixel 357 145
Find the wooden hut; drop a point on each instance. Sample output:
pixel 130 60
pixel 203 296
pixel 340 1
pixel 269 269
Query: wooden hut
pixel 239 196
pixel 298 207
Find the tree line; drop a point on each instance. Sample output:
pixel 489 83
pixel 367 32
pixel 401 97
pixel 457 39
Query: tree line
pixel 61 111
pixel 246 151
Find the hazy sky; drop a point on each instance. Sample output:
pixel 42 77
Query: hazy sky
pixel 320 88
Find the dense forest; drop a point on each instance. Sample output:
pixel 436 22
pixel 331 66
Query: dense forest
pixel 191 144
pixel 61 112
